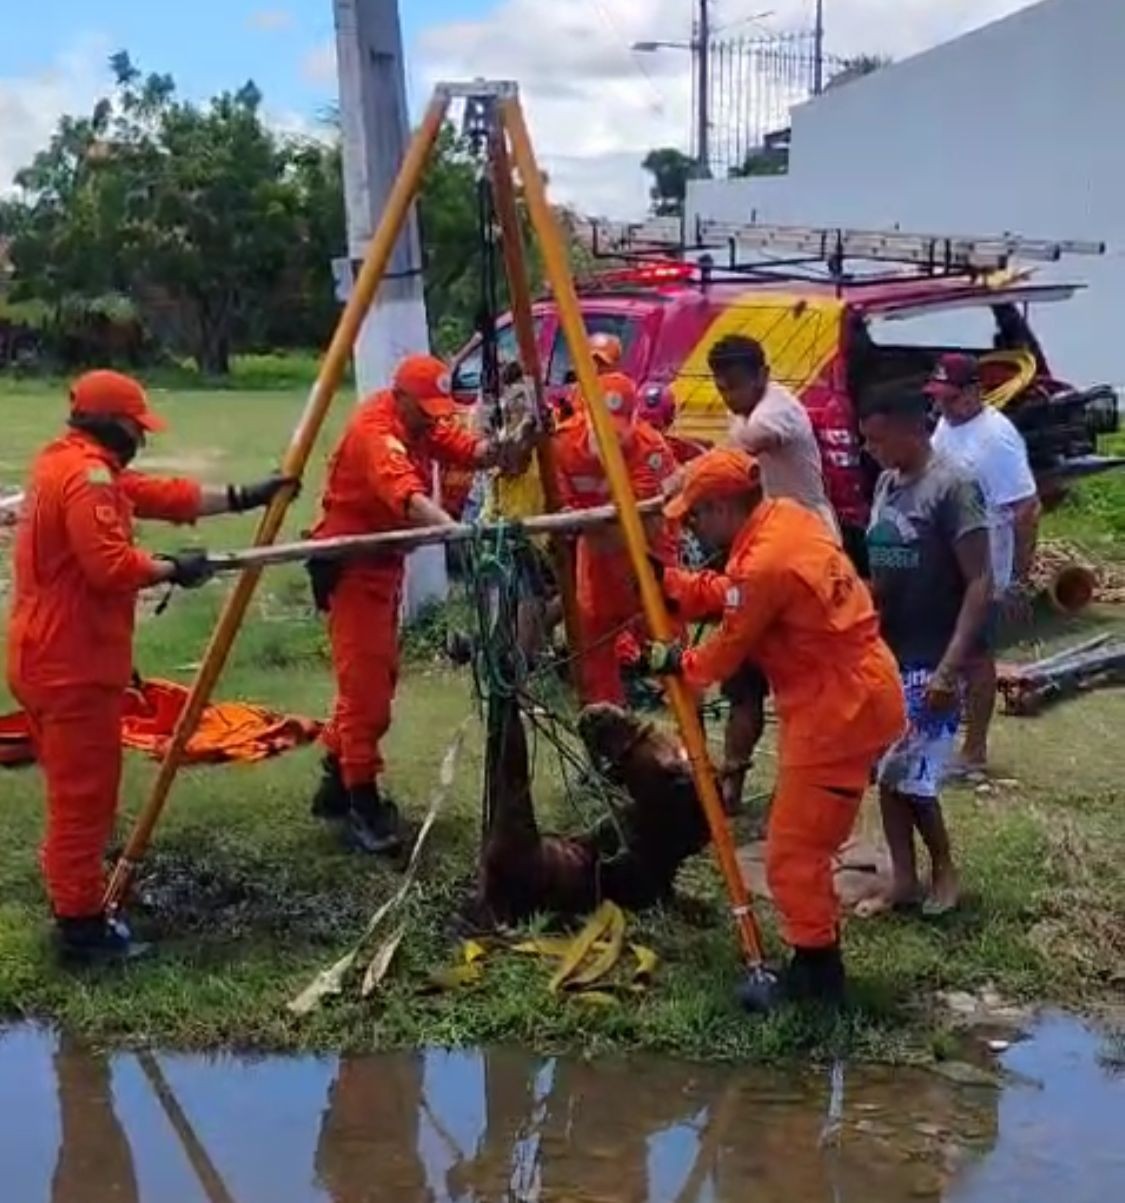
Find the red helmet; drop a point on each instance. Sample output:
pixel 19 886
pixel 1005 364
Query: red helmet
pixel 657 407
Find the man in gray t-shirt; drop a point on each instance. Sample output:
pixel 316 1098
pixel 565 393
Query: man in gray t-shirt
pixel 917 521
pixel 931 573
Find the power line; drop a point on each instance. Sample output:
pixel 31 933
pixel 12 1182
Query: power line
pixel 633 57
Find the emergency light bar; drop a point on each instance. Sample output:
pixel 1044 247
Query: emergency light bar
pixel 950 252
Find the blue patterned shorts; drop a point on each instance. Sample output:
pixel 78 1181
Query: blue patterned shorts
pixel 915 765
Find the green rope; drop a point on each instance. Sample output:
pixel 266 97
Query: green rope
pixel 494 576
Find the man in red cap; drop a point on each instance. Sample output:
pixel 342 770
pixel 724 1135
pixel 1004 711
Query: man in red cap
pixel 70 656
pixel 379 479
pixel 792 604
pixel 608 601
pixel 982 441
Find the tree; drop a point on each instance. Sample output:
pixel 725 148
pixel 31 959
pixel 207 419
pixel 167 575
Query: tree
pixel 670 170
pixel 763 160
pixel 213 229
pixel 192 208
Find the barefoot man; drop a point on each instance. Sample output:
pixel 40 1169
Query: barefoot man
pixel 930 570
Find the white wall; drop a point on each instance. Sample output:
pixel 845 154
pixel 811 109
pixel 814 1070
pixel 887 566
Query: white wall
pixel 1017 127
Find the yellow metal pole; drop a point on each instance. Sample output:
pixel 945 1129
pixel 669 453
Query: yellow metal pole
pixel 511 241
pixel 296 457
pixel 656 613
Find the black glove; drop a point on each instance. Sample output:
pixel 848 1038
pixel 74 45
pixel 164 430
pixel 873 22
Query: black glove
pixel 190 569
pixel 259 493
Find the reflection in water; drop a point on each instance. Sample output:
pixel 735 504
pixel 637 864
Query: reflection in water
pixel 368 1147
pixel 500 1125
pixel 94 1161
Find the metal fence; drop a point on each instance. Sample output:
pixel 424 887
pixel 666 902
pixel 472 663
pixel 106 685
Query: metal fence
pixel 753 84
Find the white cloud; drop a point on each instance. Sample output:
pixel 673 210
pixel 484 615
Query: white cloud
pixel 318 67
pixel 270 20
pixel 595 107
pixel 31 104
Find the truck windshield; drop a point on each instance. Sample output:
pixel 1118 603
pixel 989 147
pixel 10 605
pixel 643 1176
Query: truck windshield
pixel 618 324
pixel 466 376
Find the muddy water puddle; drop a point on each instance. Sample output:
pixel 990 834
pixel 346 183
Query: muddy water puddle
pixel 83 1127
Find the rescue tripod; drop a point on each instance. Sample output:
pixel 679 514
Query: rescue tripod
pixel 495 118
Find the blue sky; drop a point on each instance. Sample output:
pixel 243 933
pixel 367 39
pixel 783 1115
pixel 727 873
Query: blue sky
pixel 595 107
pixel 208 45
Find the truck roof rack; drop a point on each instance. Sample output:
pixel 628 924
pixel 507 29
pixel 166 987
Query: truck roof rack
pixel 830 247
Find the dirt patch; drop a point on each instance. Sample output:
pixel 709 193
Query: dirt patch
pixel 226 899
pixel 861 871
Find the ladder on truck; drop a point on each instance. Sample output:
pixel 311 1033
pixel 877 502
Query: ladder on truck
pixel 776 248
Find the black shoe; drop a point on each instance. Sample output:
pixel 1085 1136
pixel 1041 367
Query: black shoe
pixel 331 798
pixel 760 991
pixel 372 824
pixel 816 975
pixel 96 940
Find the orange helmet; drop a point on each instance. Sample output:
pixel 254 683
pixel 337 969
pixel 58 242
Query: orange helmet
pixel 606 350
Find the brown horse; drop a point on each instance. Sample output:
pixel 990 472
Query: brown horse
pixel 631 859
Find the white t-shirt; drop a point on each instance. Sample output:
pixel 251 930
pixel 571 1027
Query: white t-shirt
pixel 992 450
pixel 780 435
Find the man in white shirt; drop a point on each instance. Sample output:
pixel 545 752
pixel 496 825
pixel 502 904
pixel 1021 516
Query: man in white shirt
pixel 986 443
pixel 770 423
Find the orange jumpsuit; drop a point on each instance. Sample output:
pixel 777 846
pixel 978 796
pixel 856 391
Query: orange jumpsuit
pixel 70 642
pixel 374 472
pixel 608 601
pixel 793 604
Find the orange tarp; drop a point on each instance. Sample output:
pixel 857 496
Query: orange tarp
pixel 228 731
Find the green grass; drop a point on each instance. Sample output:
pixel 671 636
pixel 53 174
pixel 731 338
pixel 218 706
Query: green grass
pixel 1093 515
pixel 1045 882
pixel 252 372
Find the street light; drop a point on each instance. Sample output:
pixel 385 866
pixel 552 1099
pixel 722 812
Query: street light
pixel 650 47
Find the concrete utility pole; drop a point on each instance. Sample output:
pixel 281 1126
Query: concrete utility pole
pixel 703 69
pixel 818 51
pixel 375 128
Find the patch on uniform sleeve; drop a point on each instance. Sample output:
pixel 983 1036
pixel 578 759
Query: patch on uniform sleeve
pixel 105 514
pixel 732 600
pixel 99 475
pixel 656 461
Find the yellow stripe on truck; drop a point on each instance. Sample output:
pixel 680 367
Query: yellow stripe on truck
pixel 799 335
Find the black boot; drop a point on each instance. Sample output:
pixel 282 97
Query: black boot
pixel 331 798
pixel 96 940
pixel 816 975
pixel 372 824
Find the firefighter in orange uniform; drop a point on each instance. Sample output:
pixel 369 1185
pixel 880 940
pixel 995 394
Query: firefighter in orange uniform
pixel 379 479
pixel 605 350
pixel 793 604
pixel 608 601
pixel 70 656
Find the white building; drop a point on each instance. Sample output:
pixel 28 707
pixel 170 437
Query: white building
pixel 1018 127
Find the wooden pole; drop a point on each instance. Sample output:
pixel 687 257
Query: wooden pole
pixel 345 546
pixel 198 1158
pixel 570 317
pixel 515 264
pixel 296 457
